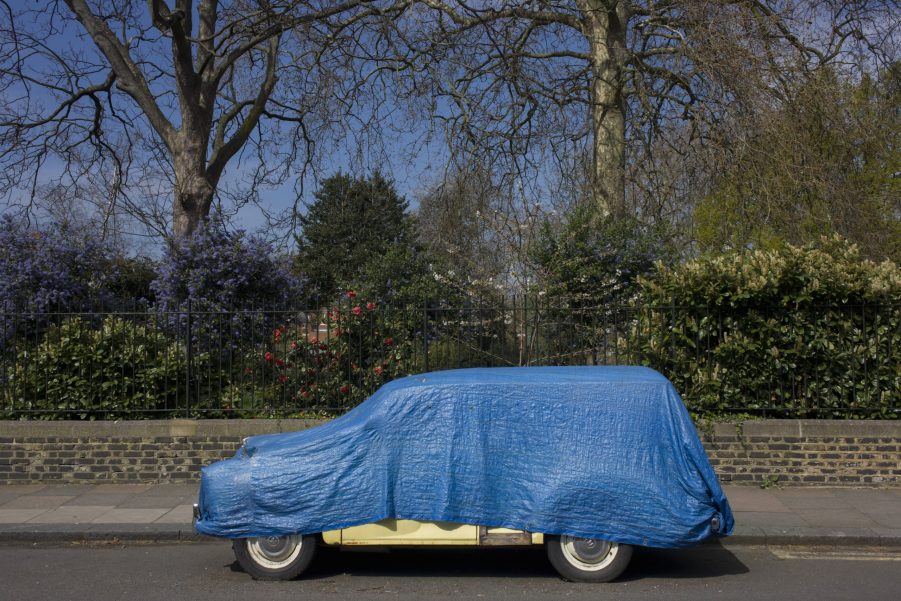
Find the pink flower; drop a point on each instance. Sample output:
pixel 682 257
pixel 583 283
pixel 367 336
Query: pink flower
pixel 377 370
pixel 351 294
pixel 268 356
pixel 356 310
pixel 389 341
pixel 370 306
pixel 293 346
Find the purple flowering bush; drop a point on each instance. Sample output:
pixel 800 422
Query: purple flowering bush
pixel 228 280
pixel 43 271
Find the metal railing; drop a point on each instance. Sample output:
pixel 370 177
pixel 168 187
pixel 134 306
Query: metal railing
pixel 203 361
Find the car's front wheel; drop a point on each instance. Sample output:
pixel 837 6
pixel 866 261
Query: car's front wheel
pixel 587 559
pixel 275 557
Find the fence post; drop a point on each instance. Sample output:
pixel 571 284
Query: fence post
pixel 190 359
pixel 672 333
pixel 425 333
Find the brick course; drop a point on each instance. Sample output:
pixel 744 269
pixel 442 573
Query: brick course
pixel 806 452
pixel 794 452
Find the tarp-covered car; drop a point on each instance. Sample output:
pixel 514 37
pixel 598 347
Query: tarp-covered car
pixel 587 460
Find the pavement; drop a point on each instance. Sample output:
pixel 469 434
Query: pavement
pixel 162 512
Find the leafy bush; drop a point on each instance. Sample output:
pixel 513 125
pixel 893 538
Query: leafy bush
pixel 81 372
pixel 800 332
pixel 589 264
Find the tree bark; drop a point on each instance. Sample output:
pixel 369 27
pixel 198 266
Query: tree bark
pixel 607 41
pixel 193 188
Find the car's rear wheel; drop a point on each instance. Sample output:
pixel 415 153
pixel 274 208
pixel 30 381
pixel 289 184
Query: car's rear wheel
pixel 275 557
pixel 587 559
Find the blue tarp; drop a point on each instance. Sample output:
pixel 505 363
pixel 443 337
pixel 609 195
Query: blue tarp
pixel 597 452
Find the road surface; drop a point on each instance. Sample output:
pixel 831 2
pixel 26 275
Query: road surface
pixel 207 571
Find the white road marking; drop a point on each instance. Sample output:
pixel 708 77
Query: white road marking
pixel 838 554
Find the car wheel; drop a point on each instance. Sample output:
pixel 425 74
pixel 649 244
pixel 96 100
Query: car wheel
pixel 587 559
pixel 275 557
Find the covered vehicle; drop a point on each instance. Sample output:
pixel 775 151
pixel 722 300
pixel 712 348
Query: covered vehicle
pixel 593 458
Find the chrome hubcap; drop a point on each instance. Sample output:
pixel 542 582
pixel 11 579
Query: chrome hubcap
pixel 274 552
pixel 588 553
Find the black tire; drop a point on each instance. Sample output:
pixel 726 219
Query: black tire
pixel 587 560
pixel 275 557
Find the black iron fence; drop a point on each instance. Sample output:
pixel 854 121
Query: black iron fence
pixel 201 361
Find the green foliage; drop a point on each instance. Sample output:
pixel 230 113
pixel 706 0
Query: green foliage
pixel 404 277
pixel 590 263
pixel 352 223
pixel 132 279
pixel 587 271
pixel 108 372
pixel 825 161
pixel 794 331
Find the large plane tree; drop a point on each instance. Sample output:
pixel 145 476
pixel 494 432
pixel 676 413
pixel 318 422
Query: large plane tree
pixel 524 81
pixel 156 98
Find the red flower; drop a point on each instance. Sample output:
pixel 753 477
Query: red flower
pixel 268 356
pixel 248 371
pixel 293 345
pixel 344 389
pixel 389 341
pixel 276 333
pixel 282 379
pixel 279 362
pixel 338 333
pixel 304 393
pixel 351 294
pixel 370 306
pixel 377 370
pixel 356 310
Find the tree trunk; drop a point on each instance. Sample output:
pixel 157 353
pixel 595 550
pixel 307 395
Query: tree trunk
pixel 607 40
pixel 193 189
pixel 191 207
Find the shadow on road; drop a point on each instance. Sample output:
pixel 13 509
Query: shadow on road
pixel 708 561
pixel 705 561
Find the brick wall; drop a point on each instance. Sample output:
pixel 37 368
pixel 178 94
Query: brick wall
pixel 806 452
pixel 139 451
pixel 784 452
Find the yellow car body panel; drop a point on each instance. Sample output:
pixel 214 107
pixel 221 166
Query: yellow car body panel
pixel 394 532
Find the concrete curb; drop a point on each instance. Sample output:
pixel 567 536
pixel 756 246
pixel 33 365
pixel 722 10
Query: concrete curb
pixel 74 533
pixel 169 533
pixel 813 537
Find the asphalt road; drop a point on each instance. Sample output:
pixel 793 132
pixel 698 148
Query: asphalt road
pixel 203 571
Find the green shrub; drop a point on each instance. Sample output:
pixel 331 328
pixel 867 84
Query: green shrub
pixel 812 331
pixel 82 372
